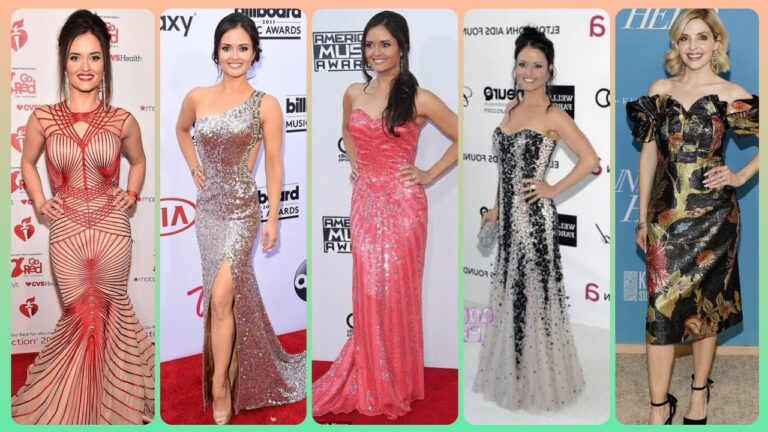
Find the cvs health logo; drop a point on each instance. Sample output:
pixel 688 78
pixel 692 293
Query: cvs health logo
pixel 25 230
pixel 29 308
pixel 176 215
pixel 19 36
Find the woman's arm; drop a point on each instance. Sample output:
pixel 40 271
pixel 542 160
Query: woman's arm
pixel 34 142
pixel 133 150
pixel 349 142
pixel 579 145
pixel 435 110
pixel 184 123
pixel 272 126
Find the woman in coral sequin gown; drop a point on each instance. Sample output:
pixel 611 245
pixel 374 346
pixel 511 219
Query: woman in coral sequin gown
pixel 98 365
pixel 380 369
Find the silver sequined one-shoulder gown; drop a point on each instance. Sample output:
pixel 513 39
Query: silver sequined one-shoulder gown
pixel 227 219
pixel 528 358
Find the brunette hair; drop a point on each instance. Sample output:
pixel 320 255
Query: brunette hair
pixel 532 37
pixel 401 104
pixel 232 21
pixel 79 23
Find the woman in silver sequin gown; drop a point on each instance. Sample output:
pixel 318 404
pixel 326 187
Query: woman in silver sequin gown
pixel 528 358
pixel 244 365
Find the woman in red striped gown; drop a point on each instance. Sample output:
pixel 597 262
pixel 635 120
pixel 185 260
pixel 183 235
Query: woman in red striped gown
pixel 98 365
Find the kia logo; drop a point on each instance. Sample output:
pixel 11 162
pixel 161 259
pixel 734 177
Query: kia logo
pixel 176 215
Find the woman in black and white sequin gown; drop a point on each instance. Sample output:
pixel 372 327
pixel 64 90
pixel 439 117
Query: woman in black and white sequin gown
pixel 528 358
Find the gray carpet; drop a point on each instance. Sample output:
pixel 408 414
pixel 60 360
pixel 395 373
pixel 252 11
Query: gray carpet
pixel 734 393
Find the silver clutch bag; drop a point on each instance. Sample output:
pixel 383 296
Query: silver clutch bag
pixel 487 234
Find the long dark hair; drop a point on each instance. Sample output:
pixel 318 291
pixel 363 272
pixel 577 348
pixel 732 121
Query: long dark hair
pixel 79 23
pixel 532 37
pixel 401 104
pixel 229 22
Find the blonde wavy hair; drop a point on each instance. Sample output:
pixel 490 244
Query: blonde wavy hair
pixel 720 62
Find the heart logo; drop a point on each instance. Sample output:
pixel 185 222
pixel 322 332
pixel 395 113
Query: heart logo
pixel 29 283
pixel 25 230
pixel 29 308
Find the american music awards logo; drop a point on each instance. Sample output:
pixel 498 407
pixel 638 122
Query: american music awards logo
pixel 336 234
pixel 337 51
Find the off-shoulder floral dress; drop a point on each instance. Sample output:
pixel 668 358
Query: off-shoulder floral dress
pixel 693 231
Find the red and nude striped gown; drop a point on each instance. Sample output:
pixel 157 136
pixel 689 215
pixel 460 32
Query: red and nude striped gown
pixel 98 366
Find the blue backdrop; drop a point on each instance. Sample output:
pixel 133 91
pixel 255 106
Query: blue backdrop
pixel 642 36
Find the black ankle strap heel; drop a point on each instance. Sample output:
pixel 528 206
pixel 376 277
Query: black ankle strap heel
pixel 703 421
pixel 672 401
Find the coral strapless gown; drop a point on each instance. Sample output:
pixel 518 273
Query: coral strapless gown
pixel 380 370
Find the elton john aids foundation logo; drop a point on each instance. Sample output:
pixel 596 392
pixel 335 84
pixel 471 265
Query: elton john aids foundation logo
pixel 29 308
pixel 19 36
pixel 25 230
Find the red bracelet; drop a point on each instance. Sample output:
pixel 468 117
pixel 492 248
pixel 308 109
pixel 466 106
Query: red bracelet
pixel 133 195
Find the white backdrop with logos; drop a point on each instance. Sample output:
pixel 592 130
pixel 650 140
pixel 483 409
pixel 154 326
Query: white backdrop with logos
pixel 336 64
pixel 35 305
pixel 186 44
pixel 582 63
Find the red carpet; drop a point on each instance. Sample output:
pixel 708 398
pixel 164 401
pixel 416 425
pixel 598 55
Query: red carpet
pixel 440 404
pixel 19 365
pixel 181 399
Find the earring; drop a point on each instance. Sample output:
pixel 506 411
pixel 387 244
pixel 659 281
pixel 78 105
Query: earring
pixel 402 64
pixel 714 62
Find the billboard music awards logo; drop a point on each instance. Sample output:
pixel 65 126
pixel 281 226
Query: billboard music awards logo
pixel 17 138
pixel 176 23
pixel 566 230
pixel 29 308
pixel 19 36
pixel 24 230
pixel 295 113
pixel 336 234
pixel 176 215
pixel 289 202
pixel 275 23
pixel 300 281
pixel 337 51
pixel 23 84
pixel 26 266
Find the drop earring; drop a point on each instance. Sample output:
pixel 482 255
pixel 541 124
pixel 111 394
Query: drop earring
pixel 402 64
